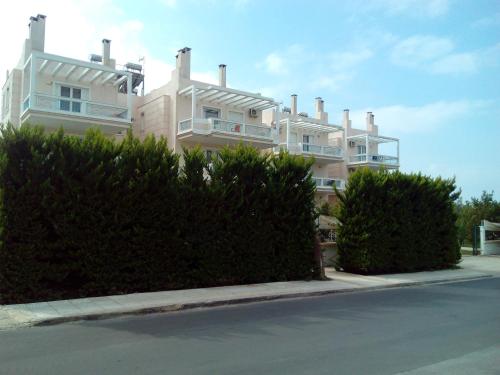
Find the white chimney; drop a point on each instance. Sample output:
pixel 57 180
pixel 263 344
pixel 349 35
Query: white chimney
pixel 346 123
pixel 37 32
pixel 106 52
pixel 320 110
pixel 222 75
pixel 293 104
pixel 183 63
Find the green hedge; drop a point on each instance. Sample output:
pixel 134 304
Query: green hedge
pixel 396 222
pixel 89 216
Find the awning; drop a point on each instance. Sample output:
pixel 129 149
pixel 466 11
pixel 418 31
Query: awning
pixel 309 124
pixel 225 96
pixel 67 69
pixel 372 138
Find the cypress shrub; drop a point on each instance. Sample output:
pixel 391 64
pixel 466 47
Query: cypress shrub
pixel 90 216
pixel 396 222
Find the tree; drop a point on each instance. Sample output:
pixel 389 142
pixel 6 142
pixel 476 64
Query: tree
pixel 472 212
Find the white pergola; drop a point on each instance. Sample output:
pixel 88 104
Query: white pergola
pixel 307 124
pixel 81 72
pixel 368 139
pixel 225 96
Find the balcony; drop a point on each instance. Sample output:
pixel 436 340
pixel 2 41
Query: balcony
pixel 373 151
pixel 54 111
pixel 75 81
pixel 374 159
pixel 223 132
pixel 326 184
pixel 321 153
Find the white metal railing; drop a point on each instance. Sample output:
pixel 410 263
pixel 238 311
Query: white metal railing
pixel 382 159
pixel 328 183
pixel 73 106
pixel 307 148
pixel 185 125
pixel 321 150
pixel 225 126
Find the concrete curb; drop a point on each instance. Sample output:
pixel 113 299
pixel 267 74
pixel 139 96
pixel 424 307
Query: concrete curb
pixel 238 301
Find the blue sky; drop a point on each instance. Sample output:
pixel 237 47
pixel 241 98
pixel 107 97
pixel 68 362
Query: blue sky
pixel 429 70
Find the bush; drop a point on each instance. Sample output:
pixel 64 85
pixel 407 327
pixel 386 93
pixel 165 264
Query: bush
pixel 89 216
pixel 396 222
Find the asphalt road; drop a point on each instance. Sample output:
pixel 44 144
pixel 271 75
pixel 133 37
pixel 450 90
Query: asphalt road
pixel 438 329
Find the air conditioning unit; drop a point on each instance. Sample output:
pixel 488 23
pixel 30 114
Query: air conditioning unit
pixel 352 144
pixel 252 113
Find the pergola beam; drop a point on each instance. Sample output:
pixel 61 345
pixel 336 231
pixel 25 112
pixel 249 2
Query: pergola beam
pixel 83 74
pixel 44 65
pixel 96 75
pixel 108 78
pixel 120 80
pixel 57 69
pixel 70 71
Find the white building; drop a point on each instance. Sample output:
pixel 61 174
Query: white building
pixel 56 91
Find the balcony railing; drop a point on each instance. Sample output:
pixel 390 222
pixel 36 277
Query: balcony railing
pixel 307 148
pixel 334 151
pixel 381 159
pixel 71 106
pixel 328 183
pixel 225 126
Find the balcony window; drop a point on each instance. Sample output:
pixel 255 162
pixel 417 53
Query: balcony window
pixel 70 93
pixel 211 112
pixel 361 149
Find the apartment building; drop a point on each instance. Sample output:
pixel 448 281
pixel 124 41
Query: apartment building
pixel 364 148
pixel 189 112
pixel 57 91
pixel 311 137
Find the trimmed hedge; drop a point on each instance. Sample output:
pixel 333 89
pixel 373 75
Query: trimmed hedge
pixel 89 216
pixel 396 222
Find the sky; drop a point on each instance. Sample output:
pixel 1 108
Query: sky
pixel 429 70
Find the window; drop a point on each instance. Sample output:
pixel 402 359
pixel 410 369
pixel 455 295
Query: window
pixel 361 149
pixel 236 116
pixel 71 93
pixel 306 141
pixel 211 112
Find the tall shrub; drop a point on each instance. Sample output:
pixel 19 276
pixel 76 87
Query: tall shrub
pixel 396 222
pixel 90 216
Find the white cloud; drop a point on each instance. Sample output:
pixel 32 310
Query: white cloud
pixel 412 8
pixel 438 56
pixel 282 62
pixel 420 49
pixel 332 82
pixel 169 3
pixel 455 63
pixel 398 119
pixel 491 20
pixel 348 59
pixel 275 64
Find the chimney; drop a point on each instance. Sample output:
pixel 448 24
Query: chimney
pixel 320 110
pixel 293 105
pixel 222 75
pixel 183 63
pixel 37 32
pixel 106 52
pixel 346 123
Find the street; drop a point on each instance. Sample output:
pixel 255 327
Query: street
pixel 437 329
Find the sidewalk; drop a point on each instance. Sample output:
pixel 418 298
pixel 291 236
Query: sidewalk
pixel 44 313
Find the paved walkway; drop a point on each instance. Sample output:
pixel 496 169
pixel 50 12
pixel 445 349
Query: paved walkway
pixel 12 316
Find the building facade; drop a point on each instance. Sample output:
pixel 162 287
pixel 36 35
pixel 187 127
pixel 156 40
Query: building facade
pixel 56 91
